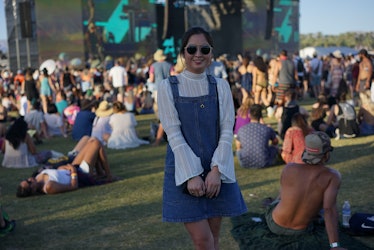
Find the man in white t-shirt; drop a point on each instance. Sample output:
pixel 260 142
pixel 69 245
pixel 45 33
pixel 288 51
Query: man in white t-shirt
pixel 119 79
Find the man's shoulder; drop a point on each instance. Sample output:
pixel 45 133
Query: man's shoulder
pixel 256 128
pixel 322 169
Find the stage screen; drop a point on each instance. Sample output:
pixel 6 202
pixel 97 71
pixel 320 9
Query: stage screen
pixel 118 28
pixel 59 28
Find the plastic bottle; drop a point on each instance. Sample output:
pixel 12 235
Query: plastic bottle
pixel 346 212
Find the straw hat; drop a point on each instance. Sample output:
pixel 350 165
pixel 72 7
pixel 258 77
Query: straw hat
pixel 337 54
pixel 159 55
pixel 104 109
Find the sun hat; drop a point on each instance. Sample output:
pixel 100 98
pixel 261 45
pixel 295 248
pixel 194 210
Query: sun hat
pixel 104 109
pixel 337 54
pixel 159 55
pixel 317 144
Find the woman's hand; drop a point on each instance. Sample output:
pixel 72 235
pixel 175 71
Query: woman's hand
pixel 196 186
pixel 213 183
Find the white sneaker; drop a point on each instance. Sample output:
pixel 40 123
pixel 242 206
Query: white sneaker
pixel 84 167
pixel 337 134
pixel 72 153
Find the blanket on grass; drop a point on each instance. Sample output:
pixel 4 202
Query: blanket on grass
pixel 255 235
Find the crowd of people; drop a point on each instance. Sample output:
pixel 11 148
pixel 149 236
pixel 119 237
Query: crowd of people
pixel 97 107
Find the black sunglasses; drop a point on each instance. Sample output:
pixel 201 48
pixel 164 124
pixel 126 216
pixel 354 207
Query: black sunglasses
pixel 192 49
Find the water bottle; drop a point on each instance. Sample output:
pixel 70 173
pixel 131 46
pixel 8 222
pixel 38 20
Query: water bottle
pixel 346 214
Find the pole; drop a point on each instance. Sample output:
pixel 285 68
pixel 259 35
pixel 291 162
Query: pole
pixel 28 52
pixel 14 4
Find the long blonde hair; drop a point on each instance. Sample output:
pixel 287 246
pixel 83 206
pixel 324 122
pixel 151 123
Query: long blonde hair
pixel 243 110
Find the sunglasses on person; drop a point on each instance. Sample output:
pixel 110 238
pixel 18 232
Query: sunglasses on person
pixel 192 49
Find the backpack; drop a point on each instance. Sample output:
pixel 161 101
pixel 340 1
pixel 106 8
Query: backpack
pixel 300 66
pixel 348 111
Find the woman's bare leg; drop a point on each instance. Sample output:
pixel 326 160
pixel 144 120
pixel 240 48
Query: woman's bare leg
pixel 89 154
pixel 205 233
pixel 215 227
pixel 82 142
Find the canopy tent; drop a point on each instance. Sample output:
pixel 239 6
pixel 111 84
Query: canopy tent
pixel 325 51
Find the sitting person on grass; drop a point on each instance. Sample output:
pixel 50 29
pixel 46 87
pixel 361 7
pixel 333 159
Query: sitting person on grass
pixel 293 143
pixel 365 114
pixel 343 117
pixel 89 167
pixel 305 189
pixel 19 149
pixel 252 142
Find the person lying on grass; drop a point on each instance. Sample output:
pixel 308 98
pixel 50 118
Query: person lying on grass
pixel 89 167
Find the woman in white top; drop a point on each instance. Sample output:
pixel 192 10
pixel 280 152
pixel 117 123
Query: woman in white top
pixel 197 113
pixel 55 122
pixel 19 149
pixel 123 125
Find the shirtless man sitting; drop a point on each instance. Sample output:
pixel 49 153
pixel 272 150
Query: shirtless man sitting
pixel 305 190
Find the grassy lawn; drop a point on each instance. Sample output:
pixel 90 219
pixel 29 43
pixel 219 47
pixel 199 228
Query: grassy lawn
pixel 127 214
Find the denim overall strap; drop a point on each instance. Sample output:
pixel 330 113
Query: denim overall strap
pixel 199 120
pixel 213 87
pixel 174 88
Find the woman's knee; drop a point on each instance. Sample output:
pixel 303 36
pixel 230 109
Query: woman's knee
pixel 94 142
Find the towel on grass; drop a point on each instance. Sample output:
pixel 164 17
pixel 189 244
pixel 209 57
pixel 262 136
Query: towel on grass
pixel 255 235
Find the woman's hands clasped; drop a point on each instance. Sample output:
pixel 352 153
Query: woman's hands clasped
pixel 210 188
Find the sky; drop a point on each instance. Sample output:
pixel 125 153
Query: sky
pixel 330 17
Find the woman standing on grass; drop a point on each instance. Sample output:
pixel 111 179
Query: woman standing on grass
pixel 46 89
pixel 197 113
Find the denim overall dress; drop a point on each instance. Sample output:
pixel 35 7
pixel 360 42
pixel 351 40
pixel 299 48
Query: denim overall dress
pixel 199 118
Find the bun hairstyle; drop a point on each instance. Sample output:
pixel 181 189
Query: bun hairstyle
pixel 118 107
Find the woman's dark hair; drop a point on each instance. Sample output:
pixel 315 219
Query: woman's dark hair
pixel 45 72
pixel 23 192
pixel 260 64
pixel 16 132
pixel 195 31
pixel 63 94
pixel 51 108
pixel 342 90
pixel 299 121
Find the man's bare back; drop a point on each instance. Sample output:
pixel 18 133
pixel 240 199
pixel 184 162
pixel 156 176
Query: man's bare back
pixel 304 188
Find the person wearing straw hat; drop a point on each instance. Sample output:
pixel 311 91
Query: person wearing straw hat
pixel 337 69
pixel 158 71
pixel 305 189
pixel 101 128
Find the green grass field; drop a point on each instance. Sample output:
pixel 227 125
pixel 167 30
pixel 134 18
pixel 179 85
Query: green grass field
pixel 127 214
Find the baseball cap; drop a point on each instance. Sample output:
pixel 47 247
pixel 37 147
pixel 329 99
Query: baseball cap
pixel 317 144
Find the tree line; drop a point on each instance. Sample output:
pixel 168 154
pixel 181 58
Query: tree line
pixel 356 40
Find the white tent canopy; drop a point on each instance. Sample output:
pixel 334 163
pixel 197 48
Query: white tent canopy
pixel 325 51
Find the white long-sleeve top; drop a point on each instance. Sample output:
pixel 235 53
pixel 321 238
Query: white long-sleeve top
pixel 187 164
